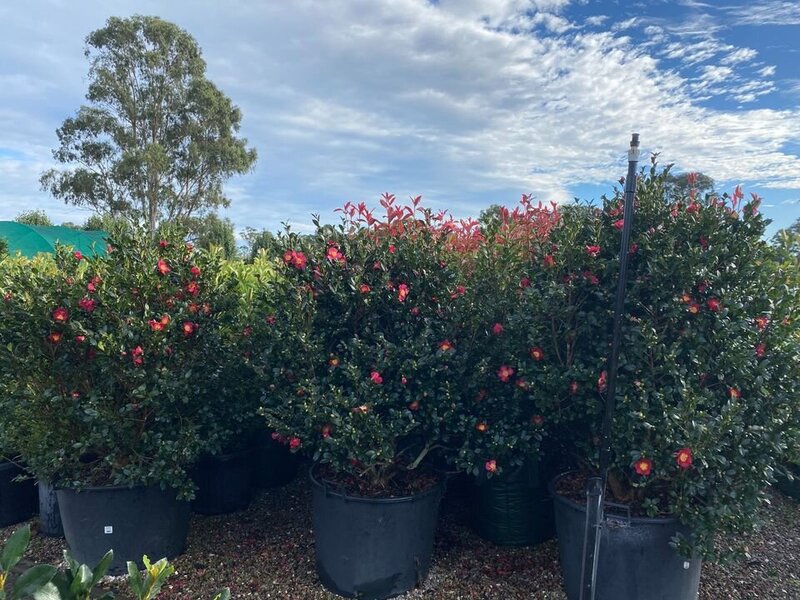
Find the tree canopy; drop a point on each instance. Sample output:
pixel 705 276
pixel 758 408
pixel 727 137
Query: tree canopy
pixel 156 140
pixel 34 217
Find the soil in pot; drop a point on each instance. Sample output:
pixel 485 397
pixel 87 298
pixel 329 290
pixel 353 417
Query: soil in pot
pixel 514 509
pixel 49 512
pixel 636 560
pixel 224 483
pixel 132 521
pixel 274 464
pixel 373 548
pixel 17 498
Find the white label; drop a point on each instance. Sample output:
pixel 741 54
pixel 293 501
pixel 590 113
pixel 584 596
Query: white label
pixel 686 564
pixel 108 529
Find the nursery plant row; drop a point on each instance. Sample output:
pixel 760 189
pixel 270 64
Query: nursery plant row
pixel 395 350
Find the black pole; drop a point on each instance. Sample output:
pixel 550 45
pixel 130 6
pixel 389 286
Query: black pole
pixel 596 486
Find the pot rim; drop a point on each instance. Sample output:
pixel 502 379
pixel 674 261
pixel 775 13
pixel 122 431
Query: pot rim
pixel 551 488
pixel 107 488
pixel 329 490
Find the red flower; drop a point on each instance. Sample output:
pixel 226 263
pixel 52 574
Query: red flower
pixel 593 251
pixel 643 467
pixel 295 259
pixel 634 248
pixel 694 307
pixel 537 353
pixel 761 323
pixel 602 382
pixel 760 350
pixel 188 328
pixel 734 393
pixel 684 458
pixel 294 443
pixel 415 311
pixel 482 427
pixel 334 254
pixel 192 288
pixel 271 319
pixel 87 304
pixel 505 373
pixel 163 267
pixel 460 291
pixel 60 315
pixel 497 329
pixel 619 224
pixel 414 405
pixel 525 282
pixel 77 254
pixel 591 277
pixel 713 304
pixel 163 244
pixel 8 296
pixel 333 361
pixel 392 249
pixel 490 466
pixel 402 292
pixel 445 345
pixel 549 261
pixel 80 339
pixel 693 208
pixel 403 380
pixel 573 387
pixel 137 355
pixel 537 420
pixel 155 325
pixel 376 378
pixel 195 270
pixel 164 320
pixel 364 288
pixel 686 298
pixel 522 384
pixel 326 430
pixel 54 337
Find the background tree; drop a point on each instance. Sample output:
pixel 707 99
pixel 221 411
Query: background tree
pixel 677 184
pixel 261 240
pixel 490 220
pixel 157 139
pixel 34 217
pixel 211 230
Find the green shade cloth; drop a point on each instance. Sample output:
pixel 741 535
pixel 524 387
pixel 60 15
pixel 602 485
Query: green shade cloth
pixel 30 240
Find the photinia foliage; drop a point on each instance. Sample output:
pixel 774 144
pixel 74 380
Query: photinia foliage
pixel 117 362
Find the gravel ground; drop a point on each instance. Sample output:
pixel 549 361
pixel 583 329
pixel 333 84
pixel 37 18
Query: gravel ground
pixel 268 552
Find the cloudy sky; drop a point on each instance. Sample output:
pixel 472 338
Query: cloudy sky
pixel 467 102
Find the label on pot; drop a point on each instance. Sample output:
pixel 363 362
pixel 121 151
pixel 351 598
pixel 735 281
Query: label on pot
pixel 108 529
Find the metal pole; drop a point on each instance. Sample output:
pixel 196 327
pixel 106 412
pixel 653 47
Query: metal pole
pixel 596 486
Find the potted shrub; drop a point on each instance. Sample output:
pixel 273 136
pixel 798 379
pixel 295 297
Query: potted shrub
pixel 114 358
pixel 706 405
pixel 356 366
pixel 505 369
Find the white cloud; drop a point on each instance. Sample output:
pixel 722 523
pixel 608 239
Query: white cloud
pixel 739 55
pixel 768 13
pixel 767 71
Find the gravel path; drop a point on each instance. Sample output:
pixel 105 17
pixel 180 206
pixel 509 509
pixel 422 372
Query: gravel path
pixel 267 552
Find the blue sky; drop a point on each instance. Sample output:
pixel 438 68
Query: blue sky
pixel 467 102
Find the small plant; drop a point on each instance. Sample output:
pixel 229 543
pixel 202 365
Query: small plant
pixel 31 580
pixel 76 582
pixel 147 585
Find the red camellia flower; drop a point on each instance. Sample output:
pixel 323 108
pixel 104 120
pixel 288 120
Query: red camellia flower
pixel 634 248
pixel 403 380
pixel 497 329
pixel 602 382
pixel 163 267
pixel 402 292
pixel 525 282
pixel 619 224
pixel 573 387
pixel 490 466
pixel 643 467
pixel 60 315
pixel 364 288
pixel 482 427
pixel 537 420
pixel 77 254
pixel 761 323
pixel 195 271
pixel 522 384
pixel 294 443
pixel 593 251
pixel 155 325
pixel 163 244
pixel 505 373
pixel 326 430
pixel 713 304
pixel 137 355
pixel 376 378
pixel 392 248
pixel 192 288
pixel 80 339
pixel 445 345
pixel 460 291
pixel 537 353
pixel 734 393
pixel 87 304
pixel 54 337
pixel 188 328
pixel 760 350
pixel 694 307
pixel 549 261
pixel 333 361
pixel 271 319
pixel 591 277
pixel 164 320
pixel 415 311
pixel 684 458
pixel 686 298
pixel 334 254
pixel 295 259
pixel 693 208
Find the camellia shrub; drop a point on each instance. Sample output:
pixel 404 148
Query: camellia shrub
pixel 117 362
pixel 706 401
pixel 358 346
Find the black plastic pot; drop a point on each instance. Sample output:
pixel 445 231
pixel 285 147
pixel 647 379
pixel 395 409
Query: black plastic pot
pixel 514 509
pixel 373 548
pixel 224 483
pixel 790 487
pixel 17 498
pixel 274 464
pixel 49 513
pixel 636 561
pixel 131 521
